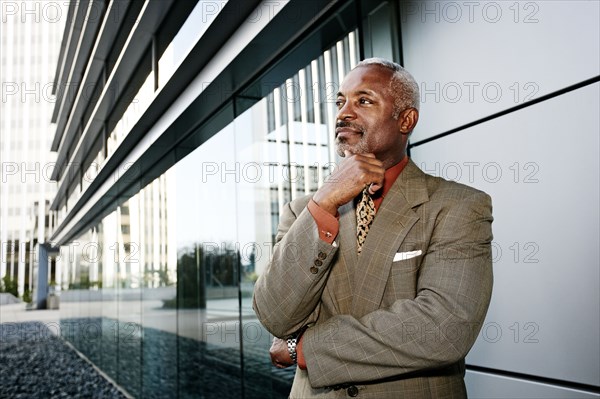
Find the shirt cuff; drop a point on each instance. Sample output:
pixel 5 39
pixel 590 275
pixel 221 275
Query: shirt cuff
pixel 327 224
pixel 300 355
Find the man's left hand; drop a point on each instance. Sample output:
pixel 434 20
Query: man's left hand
pixel 280 356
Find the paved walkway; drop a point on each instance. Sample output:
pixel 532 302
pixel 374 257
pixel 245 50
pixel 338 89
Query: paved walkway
pixel 17 313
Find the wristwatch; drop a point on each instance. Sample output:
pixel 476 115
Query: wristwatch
pixel 291 344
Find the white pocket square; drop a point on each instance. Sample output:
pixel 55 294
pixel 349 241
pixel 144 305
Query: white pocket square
pixel 406 255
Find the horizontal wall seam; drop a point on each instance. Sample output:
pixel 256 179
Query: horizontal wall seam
pixel 537 379
pixel 507 111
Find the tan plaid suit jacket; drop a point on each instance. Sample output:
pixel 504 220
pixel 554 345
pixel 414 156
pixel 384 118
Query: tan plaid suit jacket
pixel 381 328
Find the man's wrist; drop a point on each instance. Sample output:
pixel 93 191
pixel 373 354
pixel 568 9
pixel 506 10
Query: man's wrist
pixel 325 205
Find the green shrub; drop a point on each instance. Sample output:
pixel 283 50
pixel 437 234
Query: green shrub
pixel 9 285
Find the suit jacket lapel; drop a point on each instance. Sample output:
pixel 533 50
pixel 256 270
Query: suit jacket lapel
pixel 392 223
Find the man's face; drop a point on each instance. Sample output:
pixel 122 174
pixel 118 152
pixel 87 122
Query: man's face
pixel 365 122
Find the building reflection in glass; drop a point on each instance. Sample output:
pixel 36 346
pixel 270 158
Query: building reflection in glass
pixel 158 294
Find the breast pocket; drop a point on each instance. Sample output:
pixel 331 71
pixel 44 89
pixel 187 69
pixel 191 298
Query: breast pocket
pixel 403 275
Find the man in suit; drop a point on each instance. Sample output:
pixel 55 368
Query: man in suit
pixel 394 314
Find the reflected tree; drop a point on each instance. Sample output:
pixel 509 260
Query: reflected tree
pixel 201 272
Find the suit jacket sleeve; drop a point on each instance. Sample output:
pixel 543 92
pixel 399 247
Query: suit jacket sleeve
pixel 436 328
pixel 287 295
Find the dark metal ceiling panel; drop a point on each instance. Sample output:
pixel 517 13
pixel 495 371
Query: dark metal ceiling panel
pixel 79 14
pixel 138 42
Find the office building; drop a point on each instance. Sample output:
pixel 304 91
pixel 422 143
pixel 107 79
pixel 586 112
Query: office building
pixel 30 45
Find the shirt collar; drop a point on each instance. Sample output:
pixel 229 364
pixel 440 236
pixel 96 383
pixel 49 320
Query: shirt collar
pixel 390 176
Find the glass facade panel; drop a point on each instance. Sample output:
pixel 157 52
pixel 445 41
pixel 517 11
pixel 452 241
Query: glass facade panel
pixel 128 324
pixel 262 163
pixel 208 271
pixel 157 255
pixel 109 312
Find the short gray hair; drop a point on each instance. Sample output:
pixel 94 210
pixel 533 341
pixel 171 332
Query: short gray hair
pixel 403 86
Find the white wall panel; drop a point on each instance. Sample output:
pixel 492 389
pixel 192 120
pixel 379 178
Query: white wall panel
pixel 473 59
pixel 541 167
pixel 489 386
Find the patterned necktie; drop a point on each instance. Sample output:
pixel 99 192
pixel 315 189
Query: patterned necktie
pixel 365 213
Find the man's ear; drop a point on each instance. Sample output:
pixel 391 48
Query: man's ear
pixel 408 120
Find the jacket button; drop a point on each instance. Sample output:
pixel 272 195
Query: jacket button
pixel 352 391
pixel 314 270
pixel 322 255
pixel 318 262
